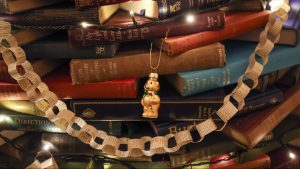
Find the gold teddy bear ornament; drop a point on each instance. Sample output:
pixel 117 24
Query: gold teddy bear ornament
pixel 151 101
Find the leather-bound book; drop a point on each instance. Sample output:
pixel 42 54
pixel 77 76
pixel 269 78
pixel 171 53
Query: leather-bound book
pixel 162 9
pixel 15 6
pixel 41 66
pixel 92 36
pixel 61 16
pixel 60 83
pixel 82 4
pixel 249 130
pixel 235 24
pixel 133 61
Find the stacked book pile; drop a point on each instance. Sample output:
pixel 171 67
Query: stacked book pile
pixel 96 55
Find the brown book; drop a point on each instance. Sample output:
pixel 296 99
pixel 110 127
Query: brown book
pixel 235 24
pixel 61 16
pixel 26 36
pixel 262 162
pixel 41 67
pixel 287 36
pixel 249 130
pixel 92 36
pixel 133 61
pixel 14 6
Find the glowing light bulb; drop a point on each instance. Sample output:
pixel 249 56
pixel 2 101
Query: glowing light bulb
pixel 85 24
pixel 190 18
pixel 292 155
pixel 4 118
pixel 131 13
pixel 47 146
pixel 275 4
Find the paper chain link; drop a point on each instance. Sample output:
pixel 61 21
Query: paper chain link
pixel 57 112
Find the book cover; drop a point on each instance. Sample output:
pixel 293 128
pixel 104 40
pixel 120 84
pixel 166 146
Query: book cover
pixel 133 61
pixel 15 6
pixel 193 82
pixel 60 83
pixel 41 66
pixel 173 107
pixel 26 36
pixel 83 4
pixel 45 48
pixel 91 36
pixel 249 130
pixel 162 9
pixel 26 123
pixel 289 33
pixel 236 23
pixel 61 16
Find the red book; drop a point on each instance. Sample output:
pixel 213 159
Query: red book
pixel 261 162
pixel 93 36
pixel 82 4
pixel 60 83
pixel 250 129
pixel 235 24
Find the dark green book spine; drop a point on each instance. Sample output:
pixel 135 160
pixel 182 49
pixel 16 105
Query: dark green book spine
pixel 23 122
pixel 48 49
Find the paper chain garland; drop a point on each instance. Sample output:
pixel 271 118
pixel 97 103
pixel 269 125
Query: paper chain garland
pixel 57 112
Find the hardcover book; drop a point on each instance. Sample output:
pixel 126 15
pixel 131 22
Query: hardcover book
pixel 41 66
pixel 162 9
pixel 236 23
pixel 45 48
pixel 172 107
pixel 60 83
pixel 193 82
pixel 61 16
pixel 26 123
pixel 249 130
pixel 15 6
pixel 289 33
pixel 133 61
pixel 26 36
pixel 91 36
pixel 82 4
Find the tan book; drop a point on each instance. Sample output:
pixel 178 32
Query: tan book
pixel 133 61
pixel 14 6
pixel 249 130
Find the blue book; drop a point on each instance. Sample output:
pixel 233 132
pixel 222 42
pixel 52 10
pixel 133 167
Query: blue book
pixel 194 82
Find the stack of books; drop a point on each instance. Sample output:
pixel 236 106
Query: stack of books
pixel 100 72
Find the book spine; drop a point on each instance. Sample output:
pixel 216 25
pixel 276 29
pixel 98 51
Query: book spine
pixel 205 112
pixel 83 4
pixel 198 110
pixel 190 83
pixel 3 6
pixel 89 37
pixel 4 76
pixel 96 70
pixel 53 17
pixel 233 27
pixel 45 50
pixel 21 122
pixel 66 90
pixel 169 8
